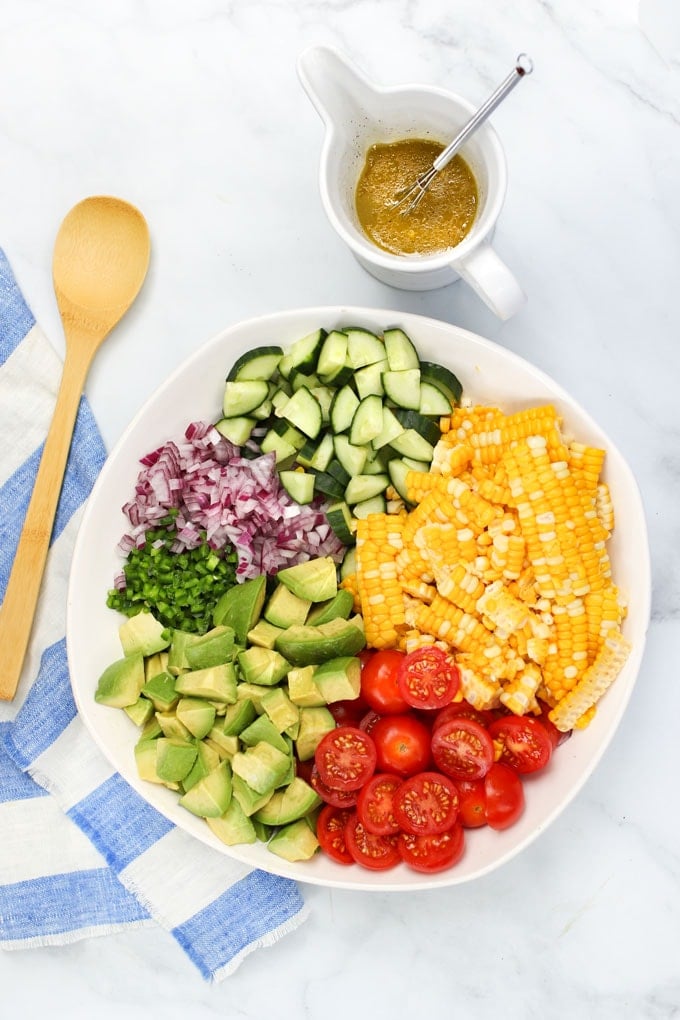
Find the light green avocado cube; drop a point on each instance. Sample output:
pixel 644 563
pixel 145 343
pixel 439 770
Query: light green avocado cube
pixel 284 806
pixel 211 796
pixel 225 746
pixel 234 826
pixel 284 609
pixel 315 580
pixel 280 709
pixel 145 760
pixel 177 653
pixel 212 649
pixel 339 679
pixel 197 715
pixel 262 666
pixel 217 683
pixel 151 728
pixel 302 690
pixel 155 664
pixel 249 799
pixel 294 842
pixel 143 633
pixel 262 767
pixel 140 712
pixel 315 723
pixel 160 690
pixel 339 607
pixel 263 729
pixel 121 683
pixel 263 634
pixel 238 716
pixel 251 692
pixel 174 759
pixel 172 727
pixel 240 606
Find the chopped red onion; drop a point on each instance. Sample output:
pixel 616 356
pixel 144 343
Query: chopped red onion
pixel 232 499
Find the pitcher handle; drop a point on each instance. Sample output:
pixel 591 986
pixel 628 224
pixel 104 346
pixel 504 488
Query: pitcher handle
pixel 491 280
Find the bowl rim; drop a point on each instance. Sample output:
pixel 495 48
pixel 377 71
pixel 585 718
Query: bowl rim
pixel 357 314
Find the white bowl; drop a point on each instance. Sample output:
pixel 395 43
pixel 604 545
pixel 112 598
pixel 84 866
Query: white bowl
pixel 489 374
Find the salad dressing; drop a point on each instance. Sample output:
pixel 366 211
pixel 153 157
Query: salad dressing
pixel 443 217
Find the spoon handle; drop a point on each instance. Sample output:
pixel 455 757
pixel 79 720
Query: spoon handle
pixel 23 588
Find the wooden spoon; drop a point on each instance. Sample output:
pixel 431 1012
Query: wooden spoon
pixel 101 256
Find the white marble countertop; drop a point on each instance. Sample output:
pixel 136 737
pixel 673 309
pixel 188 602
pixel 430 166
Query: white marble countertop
pixel 193 111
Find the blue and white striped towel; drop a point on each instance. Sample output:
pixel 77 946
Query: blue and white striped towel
pixel 80 852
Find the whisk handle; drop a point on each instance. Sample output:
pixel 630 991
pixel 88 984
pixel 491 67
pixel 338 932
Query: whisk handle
pixel 523 66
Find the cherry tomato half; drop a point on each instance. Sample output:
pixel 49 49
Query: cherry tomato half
pixel 432 853
pixel 526 746
pixel 402 744
pixel 504 796
pixel 466 710
pixel 379 687
pixel 428 678
pixel 426 804
pixel 345 758
pixel 330 831
pixel 375 807
pixel 336 798
pixel 367 848
pixel 471 803
pixel 462 749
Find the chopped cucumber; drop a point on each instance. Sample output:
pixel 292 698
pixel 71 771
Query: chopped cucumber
pixel 343 408
pixel 260 363
pixel 370 379
pixel 374 505
pixel 411 444
pixel 403 387
pixel 367 422
pixel 349 563
pixel 236 430
pixel 353 458
pixel 363 347
pixel 242 397
pixel 317 454
pixel 443 379
pixel 391 428
pixel 428 429
pixel 340 519
pixel 304 411
pixel 299 485
pixel 303 354
pixel 400 350
pixel 363 487
pixel 433 401
pixel 333 358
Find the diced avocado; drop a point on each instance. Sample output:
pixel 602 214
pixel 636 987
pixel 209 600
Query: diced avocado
pixel 155 664
pixel 263 666
pixel 172 727
pixel 339 679
pixel 263 634
pixel 302 690
pixel 151 728
pixel 208 756
pixel 140 712
pixel 315 580
pixel 280 709
pixel 238 716
pixel 198 771
pixel 211 796
pixel 177 655
pixel 289 774
pixel 145 760
pixel 263 729
pixel 160 690
pixel 197 715
pixel 288 805
pixel 233 826
pixel 304 645
pixel 143 633
pixel 212 649
pixel 294 842
pixel 315 723
pixel 174 760
pixel 217 683
pixel 339 607
pixel 262 831
pixel 240 607
pixel 251 692
pixel 121 683
pixel 226 746
pixel 249 799
pixel 263 766
pixel 285 609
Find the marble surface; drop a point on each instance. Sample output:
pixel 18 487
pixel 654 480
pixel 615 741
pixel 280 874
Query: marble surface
pixel 194 112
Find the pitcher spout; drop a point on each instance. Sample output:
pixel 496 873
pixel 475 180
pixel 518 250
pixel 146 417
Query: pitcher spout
pixel 337 89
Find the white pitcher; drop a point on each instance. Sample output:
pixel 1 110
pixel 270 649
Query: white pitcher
pixel 358 113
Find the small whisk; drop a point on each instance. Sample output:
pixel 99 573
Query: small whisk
pixel 407 199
